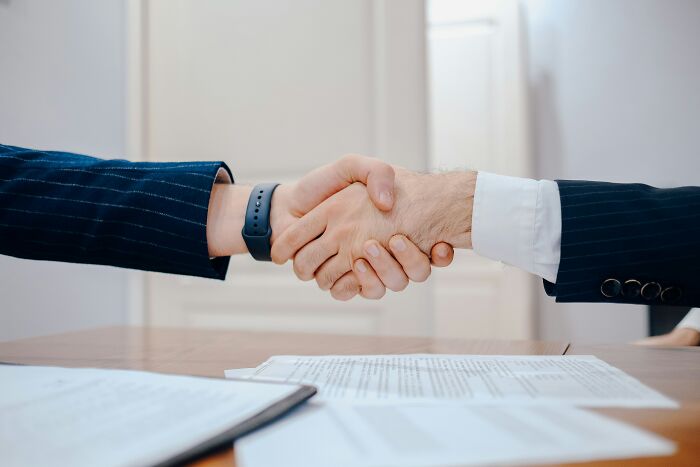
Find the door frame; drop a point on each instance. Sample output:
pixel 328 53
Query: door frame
pixel 135 95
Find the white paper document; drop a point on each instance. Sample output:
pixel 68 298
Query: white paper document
pixel 87 417
pixel 368 435
pixel 240 373
pixel 473 379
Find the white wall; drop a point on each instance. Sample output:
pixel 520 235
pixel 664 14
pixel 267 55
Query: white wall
pixel 61 87
pixel 615 89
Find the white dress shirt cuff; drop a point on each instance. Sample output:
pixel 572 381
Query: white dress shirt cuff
pixel 691 320
pixel 518 221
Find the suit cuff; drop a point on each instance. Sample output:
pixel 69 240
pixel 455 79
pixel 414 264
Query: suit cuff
pixel 518 221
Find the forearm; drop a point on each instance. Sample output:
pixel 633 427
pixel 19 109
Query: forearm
pixel 69 207
pixel 225 219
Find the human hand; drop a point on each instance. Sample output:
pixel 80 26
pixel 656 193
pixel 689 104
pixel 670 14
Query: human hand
pixel 429 209
pixel 227 205
pixel 292 201
pixel 371 277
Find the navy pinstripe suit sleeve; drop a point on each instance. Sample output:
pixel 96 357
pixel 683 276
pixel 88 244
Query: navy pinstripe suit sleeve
pixel 631 236
pixel 67 207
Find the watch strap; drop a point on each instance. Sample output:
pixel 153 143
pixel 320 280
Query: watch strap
pixel 257 229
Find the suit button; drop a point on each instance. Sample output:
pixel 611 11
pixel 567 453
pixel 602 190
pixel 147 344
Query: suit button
pixel 611 288
pixel 651 290
pixel 631 288
pixel 671 295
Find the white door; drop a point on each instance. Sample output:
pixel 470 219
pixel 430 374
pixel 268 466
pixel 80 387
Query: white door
pixel 276 88
pixel 478 120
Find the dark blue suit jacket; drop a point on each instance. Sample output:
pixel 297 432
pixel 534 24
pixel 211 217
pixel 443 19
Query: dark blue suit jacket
pixel 67 207
pixel 628 243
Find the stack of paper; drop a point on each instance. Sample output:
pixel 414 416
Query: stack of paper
pixel 474 379
pixel 89 417
pixel 391 410
pixel 321 435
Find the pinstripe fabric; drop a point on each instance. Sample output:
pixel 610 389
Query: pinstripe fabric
pixel 68 207
pixel 627 231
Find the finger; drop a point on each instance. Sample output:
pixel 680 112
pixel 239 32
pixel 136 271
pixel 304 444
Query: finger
pixel 377 175
pixel 346 287
pixel 330 271
pixel 442 254
pixel 387 268
pixel 301 232
pixel 323 182
pixel 414 262
pixel 312 256
pixel 370 285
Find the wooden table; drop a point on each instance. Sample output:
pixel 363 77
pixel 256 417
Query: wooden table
pixel 675 372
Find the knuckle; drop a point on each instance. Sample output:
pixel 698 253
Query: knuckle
pixel 315 256
pixel 345 289
pixel 310 258
pixel 373 293
pixel 421 275
pixel 341 296
pixel 351 285
pixel 328 276
pixel 350 158
pixel 323 281
pixel 399 284
pixel 292 237
pixel 277 255
pixel 302 268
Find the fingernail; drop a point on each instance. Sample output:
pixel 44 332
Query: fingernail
pixel 385 197
pixel 442 251
pixel 398 244
pixel 360 265
pixel 373 250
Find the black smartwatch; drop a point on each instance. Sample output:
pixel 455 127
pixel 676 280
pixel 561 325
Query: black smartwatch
pixel 257 230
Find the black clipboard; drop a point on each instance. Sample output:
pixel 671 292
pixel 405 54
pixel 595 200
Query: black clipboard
pixel 257 421
pixel 264 417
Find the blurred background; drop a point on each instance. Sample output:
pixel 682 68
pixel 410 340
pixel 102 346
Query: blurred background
pixel 592 89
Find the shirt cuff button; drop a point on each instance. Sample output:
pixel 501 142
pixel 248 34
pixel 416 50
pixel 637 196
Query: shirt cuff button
pixel 650 291
pixel 671 295
pixel 631 288
pixel 610 288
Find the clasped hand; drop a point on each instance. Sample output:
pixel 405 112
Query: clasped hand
pixel 360 226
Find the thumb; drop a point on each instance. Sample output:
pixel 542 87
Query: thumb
pixel 324 182
pixel 377 175
pixel 441 254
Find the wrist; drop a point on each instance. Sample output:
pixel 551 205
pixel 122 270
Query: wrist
pixel 436 208
pixel 457 206
pixel 687 336
pixel 225 219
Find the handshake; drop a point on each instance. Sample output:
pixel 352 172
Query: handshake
pixel 357 226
